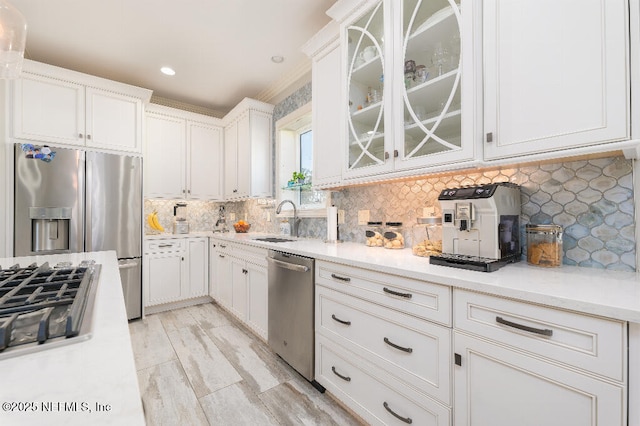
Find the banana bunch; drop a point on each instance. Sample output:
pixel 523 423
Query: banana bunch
pixel 154 223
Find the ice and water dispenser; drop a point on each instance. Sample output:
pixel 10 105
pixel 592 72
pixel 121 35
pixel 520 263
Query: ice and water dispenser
pixel 50 228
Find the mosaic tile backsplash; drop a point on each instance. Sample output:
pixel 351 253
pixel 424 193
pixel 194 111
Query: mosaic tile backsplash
pixel 592 200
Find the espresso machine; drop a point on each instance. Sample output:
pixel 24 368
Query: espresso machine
pixel 480 226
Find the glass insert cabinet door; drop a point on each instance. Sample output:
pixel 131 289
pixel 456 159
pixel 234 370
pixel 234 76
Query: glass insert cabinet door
pixel 430 86
pixel 365 81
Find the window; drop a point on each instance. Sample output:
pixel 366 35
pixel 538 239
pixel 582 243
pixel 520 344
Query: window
pixel 295 154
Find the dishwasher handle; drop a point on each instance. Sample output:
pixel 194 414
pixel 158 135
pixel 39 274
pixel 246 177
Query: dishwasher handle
pixel 287 265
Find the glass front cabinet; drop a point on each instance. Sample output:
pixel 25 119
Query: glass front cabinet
pixel 406 86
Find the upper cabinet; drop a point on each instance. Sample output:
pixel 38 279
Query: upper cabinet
pixel 556 75
pixel 247 150
pixel 183 155
pixel 326 59
pixel 410 86
pixel 62 107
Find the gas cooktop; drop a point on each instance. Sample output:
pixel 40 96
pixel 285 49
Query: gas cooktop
pixel 42 307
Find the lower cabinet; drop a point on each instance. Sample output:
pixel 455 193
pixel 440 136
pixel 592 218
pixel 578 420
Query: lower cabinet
pixel 175 269
pixel 518 363
pixel 402 351
pixel 497 386
pixel 239 283
pixel 389 365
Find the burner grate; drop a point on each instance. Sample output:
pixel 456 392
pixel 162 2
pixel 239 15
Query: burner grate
pixel 38 303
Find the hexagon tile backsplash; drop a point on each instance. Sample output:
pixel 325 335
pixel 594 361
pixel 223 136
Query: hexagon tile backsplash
pixel 591 199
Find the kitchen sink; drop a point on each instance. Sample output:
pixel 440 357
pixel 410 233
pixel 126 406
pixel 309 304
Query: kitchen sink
pixel 274 239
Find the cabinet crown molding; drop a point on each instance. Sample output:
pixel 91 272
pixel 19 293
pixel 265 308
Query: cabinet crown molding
pixel 327 37
pixel 51 71
pixel 247 104
pixel 179 113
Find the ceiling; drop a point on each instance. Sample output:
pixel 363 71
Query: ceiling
pixel 220 49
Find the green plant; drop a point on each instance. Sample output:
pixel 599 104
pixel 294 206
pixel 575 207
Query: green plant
pixel 298 176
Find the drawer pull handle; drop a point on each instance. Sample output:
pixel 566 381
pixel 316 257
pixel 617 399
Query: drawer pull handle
pixel 395 293
pixel 407 420
pixel 339 320
pixel 223 246
pixel 393 345
pixel 164 245
pixel 345 378
pixel 221 256
pixel 338 277
pixel 542 332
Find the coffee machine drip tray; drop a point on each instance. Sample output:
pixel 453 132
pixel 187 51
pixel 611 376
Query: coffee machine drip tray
pixel 474 263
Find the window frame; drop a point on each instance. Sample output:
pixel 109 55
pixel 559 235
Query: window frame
pixel 288 130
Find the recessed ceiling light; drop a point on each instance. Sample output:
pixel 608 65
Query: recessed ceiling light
pixel 277 59
pixel 167 71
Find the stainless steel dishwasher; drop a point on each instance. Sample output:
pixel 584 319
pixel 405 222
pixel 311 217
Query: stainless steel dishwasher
pixel 291 311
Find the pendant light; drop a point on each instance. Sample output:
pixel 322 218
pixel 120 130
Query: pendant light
pixel 13 38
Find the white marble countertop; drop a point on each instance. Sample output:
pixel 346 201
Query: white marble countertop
pixel 600 292
pixel 80 378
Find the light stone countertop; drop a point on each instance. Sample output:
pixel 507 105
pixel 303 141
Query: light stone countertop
pixel 605 293
pixel 100 370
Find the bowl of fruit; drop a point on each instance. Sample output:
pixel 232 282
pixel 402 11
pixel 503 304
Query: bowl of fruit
pixel 241 226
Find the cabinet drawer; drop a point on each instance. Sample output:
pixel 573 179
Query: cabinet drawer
pixel 416 351
pixel 372 394
pixel 420 298
pixel 591 343
pixel 164 246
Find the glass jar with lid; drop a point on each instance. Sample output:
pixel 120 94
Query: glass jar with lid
pixel 373 234
pixel 544 245
pixel 393 238
pixel 427 236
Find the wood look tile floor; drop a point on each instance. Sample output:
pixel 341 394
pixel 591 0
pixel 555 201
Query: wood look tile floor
pixel 200 366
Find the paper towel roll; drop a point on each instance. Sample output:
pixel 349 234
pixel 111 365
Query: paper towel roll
pixel 332 224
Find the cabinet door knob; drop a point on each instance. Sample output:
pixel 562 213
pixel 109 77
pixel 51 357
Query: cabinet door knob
pixel 89 137
pixel 489 137
pixel 80 135
pixel 395 153
pixel 386 155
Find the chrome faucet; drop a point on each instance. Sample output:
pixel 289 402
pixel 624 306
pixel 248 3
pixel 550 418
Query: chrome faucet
pixel 296 220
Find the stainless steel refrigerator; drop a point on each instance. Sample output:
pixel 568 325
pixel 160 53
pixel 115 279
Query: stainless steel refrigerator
pixel 70 201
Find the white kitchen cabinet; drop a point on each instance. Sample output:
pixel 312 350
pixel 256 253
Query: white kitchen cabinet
pixel 496 386
pixel 258 297
pixel 555 79
pixel 223 282
pixel 164 271
pixel 410 85
pixel 377 397
pixel 164 275
pixel 175 270
pixel 62 107
pixel 247 150
pixel 239 288
pixel 518 363
pixel 165 157
pixel 241 283
pixel 328 138
pixel 198 270
pixel 377 345
pixel 183 155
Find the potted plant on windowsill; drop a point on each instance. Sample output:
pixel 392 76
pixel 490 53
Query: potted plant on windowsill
pixel 297 178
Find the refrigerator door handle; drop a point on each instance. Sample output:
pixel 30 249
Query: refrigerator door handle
pixel 87 207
